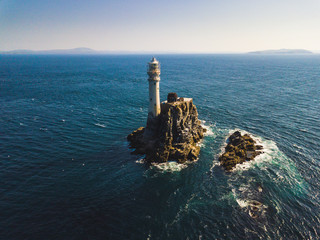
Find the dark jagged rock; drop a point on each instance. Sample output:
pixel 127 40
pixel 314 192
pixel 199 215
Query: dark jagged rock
pixel 239 149
pixel 175 135
pixel 172 97
pixel 136 140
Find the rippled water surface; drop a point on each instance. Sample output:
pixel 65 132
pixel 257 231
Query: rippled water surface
pixel 66 171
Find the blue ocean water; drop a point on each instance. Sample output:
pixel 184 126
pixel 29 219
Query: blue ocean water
pixel 67 173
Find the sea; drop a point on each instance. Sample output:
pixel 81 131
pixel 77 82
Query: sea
pixel 67 172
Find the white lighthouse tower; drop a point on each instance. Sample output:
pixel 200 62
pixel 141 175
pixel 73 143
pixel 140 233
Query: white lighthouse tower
pixel 154 95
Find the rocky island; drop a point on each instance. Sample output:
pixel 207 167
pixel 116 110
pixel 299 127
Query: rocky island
pixel 173 128
pixel 238 150
pixel 174 136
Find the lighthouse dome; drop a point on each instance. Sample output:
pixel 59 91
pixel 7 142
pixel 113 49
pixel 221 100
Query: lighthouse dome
pixel 154 60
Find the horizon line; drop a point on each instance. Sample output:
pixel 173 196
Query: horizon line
pixel 90 51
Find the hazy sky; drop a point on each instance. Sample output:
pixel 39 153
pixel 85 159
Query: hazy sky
pixel 163 25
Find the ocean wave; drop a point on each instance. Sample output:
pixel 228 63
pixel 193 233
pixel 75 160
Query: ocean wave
pixel 183 209
pixel 141 160
pixel 215 164
pixel 100 125
pixel 297 146
pixel 250 199
pixel 210 129
pixel 170 166
pixel 303 130
pixel 255 208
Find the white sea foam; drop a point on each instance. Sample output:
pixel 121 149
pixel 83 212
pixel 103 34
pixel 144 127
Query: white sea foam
pixel 141 161
pixel 297 146
pixel 215 164
pixel 242 203
pixel 253 207
pixel 210 128
pixel 100 125
pixel 169 166
pixel 303 130
pixel 211 132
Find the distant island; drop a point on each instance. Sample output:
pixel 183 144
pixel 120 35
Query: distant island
pixel 54 51
pixel 282 51
pixel 76 51
pixel 73 51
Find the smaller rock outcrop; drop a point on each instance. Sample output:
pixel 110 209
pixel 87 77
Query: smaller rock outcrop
pixel 239 149
pixel 136 140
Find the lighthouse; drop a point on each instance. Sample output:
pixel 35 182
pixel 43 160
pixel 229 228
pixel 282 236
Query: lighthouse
pixel 154 95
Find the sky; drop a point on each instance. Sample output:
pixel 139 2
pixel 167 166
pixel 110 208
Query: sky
pixel 190 26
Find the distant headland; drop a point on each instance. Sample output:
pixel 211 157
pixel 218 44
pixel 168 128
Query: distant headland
pixel 78 51
pixel 53 51
pixel 72 51
pixel 282 52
